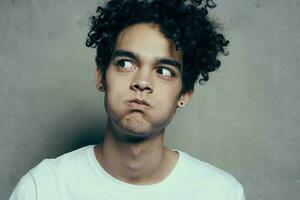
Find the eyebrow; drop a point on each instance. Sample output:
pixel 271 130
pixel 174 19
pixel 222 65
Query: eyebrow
pixel 122 53
pixel 167 61
pixel 170 62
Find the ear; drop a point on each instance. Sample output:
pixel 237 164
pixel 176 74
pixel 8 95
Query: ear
pixel 185 98
pixel 99 80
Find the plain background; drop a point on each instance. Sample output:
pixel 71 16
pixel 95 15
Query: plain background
pixel 245 120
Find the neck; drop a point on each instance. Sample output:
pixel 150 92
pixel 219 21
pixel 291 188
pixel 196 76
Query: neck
pixel 141 163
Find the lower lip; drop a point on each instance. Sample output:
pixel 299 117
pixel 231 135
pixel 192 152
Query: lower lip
pixel 138 106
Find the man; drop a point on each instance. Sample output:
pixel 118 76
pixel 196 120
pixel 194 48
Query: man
pixel 149 55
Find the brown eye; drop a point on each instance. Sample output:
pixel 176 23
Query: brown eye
pixel 125 64
pixel 166 72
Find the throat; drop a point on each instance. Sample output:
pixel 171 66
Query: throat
pixel 134 164
pixel 141 163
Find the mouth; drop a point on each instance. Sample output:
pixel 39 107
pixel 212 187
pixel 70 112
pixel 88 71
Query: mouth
pixel 139 104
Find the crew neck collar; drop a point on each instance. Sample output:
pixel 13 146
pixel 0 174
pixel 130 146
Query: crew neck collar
pixel 128 186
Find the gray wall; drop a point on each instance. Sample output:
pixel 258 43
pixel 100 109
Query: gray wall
pixel 245 120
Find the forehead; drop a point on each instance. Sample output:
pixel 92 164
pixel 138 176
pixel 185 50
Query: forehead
pixel 146 40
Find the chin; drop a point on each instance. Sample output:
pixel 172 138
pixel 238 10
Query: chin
pixel 139 130
pixel 130 135
pixel 135 130
pixel 136 123
pixel 134 127
pixel 135 137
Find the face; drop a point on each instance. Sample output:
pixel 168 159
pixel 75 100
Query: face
pixel 143 82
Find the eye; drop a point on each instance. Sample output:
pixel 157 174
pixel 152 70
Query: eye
pixel 166 72
pixel 126 64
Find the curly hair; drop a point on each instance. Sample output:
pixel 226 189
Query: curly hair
pixel 185 22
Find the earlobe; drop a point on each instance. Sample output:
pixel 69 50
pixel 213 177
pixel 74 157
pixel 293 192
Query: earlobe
pixel 185 98
pixel 99 80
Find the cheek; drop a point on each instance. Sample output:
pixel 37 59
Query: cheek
pixel 116 81
pixel 113 105
pixel 116 85
pixel 164 109
pixel 167 101
pixel 170 92
pixel 115 96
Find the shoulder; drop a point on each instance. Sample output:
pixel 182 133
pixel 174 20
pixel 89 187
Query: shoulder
pixel 51 175
pixel 25 189
pixel 202 173
pixel 67 158
pixel 71 161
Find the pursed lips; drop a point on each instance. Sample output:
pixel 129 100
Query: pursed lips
pixel 138 104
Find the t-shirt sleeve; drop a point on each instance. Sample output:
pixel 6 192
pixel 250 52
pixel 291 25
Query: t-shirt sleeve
pixel 242 194
pixel 25 189
pixel 237 192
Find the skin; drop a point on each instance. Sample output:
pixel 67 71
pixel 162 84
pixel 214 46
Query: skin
pixel 144 65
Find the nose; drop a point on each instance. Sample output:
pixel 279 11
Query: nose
pixel 142 83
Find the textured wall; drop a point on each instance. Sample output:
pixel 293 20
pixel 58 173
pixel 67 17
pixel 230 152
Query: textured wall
pixel 245 120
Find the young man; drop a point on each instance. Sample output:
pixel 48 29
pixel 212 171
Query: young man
pixel 149 55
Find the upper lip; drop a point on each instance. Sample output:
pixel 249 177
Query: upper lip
pixel 140 101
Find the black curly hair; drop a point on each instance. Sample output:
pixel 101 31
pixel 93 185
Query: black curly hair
pixel 185 22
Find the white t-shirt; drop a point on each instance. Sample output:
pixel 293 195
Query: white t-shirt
pixel 78 176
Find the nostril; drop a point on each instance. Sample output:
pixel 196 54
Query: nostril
pixel 141 85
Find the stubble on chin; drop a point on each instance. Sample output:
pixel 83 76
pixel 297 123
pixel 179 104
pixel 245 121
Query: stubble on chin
pixel 135 122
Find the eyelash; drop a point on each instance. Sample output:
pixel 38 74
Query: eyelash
pixel 118 62
pixel 173 74
pixel 171 71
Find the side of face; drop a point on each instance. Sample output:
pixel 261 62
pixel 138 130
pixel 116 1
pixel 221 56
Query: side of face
pixel 145 66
